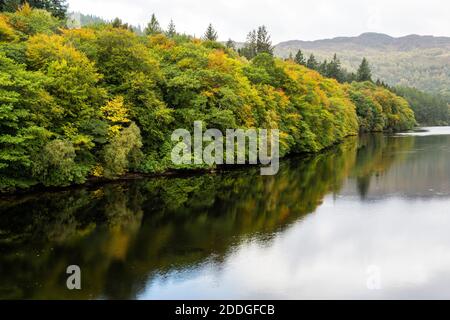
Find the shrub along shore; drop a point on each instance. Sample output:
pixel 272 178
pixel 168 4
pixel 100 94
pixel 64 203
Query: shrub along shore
pixel 103 101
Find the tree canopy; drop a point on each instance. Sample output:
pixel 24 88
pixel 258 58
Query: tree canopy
pixel 102 101
pixel 58 8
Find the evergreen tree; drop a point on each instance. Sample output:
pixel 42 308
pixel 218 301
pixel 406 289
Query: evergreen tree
pixel 3 6
pixel 258 41
pixel 171 31
pixel 349 76
pixel 323 68
pixel 312 63
pixel 263 42
pixel 364 72
pixel 299 58
pixel 249 49
pixel 334 70
pixel 153 26
pixel 210 33
pixel 118 23
pixel 230 44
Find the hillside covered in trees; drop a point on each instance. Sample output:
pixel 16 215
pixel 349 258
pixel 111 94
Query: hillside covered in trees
pixel 422 62
pixel 430 109
pixel 102 101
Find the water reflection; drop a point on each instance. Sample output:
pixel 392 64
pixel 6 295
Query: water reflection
pixel 312 231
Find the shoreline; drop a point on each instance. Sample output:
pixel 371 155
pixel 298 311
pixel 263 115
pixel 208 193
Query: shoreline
pixel 172 173
pixel 93 182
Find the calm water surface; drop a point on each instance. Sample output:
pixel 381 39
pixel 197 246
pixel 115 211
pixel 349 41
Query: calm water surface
pixel 369 219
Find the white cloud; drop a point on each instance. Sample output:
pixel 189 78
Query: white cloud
pixel 285 19
pixel 329 255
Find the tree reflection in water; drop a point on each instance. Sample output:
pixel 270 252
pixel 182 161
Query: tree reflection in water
pixel 124 234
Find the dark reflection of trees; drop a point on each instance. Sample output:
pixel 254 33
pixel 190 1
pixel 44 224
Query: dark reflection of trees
pixel 121 235
pixel 375 155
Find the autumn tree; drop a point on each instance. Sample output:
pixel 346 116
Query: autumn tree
pixel 58 8
pixel 103 101
pixel 31 21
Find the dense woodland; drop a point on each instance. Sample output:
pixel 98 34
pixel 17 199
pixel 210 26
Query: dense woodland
pixel 421 62
pixel 101 101
pixel 430 109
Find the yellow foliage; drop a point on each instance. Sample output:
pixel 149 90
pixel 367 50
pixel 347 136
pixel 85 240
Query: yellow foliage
pixel 25 9
pixel 161 41
pixel 115 111
pixel 6 31
pixel 114 130
pixel 97 171
pixel 76 35
pixel 43 49
pixel 218 60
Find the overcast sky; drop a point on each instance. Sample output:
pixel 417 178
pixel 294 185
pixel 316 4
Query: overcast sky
pixel 285 19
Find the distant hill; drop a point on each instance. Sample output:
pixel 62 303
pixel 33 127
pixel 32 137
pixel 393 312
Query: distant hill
pixel 77 20
pixel 418 61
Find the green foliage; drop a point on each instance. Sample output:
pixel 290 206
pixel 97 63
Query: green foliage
pixel 210 34
pixel 430 109
pixel 153 27
pixel 312 63
pixel 171 30
pixel 103 101
pixel 258 41
pixel 58 8
pixel 300 58
pixel 28 21
pixel 364 73
pixel 421 62
pixel 379 109
pixel 123 152
pixel 21 97
pixel 332 69
pixel 103 224
pixel 55 165
pixel 231 44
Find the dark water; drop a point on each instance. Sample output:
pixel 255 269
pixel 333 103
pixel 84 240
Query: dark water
pixel 368 219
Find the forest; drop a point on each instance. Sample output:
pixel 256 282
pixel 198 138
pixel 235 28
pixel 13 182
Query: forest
pixel 101 101
pixel 418 61
pixel 430 109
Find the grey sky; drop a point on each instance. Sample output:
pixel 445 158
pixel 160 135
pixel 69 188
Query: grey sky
pixel 285 19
